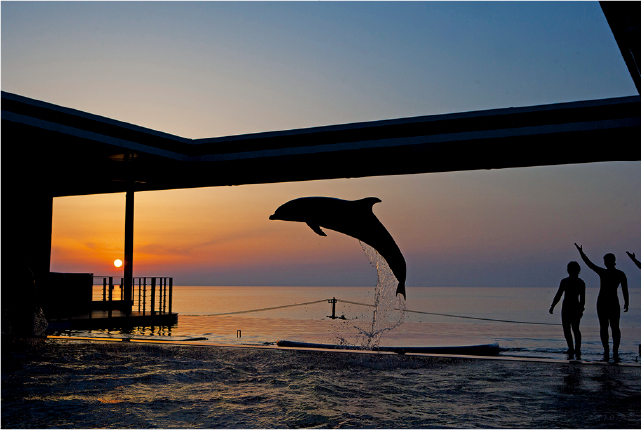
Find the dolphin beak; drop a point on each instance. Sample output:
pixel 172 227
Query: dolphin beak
pixel 272 217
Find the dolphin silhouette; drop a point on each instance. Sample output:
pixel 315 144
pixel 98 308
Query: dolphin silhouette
pixel 354 218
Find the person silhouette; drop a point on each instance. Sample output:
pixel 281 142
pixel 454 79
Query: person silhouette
pixel 637 262
pixel 608 308
pixel 572 308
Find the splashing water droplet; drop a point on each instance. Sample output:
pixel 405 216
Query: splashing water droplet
pixel 389 309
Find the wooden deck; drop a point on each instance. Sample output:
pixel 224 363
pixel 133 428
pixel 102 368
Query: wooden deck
pixel 101 319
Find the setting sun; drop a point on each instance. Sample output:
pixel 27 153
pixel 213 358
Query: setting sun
pixel 117 262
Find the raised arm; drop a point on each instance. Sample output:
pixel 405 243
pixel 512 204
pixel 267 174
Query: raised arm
pixel 585 258
pixel 637 262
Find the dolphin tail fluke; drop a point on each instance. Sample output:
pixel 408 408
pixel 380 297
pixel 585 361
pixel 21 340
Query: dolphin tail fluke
pixel 401 289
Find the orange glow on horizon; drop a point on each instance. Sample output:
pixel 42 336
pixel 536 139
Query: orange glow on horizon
pixel 512 218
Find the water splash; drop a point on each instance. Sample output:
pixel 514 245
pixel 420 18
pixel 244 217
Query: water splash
pixel 389 309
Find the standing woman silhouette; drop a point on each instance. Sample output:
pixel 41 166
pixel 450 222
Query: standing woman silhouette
pixel 607 304
pixel 572 308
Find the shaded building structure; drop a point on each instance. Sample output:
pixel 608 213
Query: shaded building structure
pixel 52 151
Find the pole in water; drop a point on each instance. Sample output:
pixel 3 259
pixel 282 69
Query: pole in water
pixel 238 334
pixel 333 302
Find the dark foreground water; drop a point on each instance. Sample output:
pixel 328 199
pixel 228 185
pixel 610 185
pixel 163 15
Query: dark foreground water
pixel 87 385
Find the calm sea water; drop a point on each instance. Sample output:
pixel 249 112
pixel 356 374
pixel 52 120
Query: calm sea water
pixel 242 315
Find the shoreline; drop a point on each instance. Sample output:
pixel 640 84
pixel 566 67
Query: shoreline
pixel 354 351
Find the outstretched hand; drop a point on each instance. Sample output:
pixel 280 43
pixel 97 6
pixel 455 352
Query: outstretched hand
pixel 551 310
pixel 625 308
pixel 580 248
pixel 634 260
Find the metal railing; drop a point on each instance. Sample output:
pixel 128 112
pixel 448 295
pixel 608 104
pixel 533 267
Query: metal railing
pixel 149 294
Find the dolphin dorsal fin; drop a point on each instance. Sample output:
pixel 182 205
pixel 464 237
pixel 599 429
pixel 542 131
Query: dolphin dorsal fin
pixel 368 201
pixel 316 229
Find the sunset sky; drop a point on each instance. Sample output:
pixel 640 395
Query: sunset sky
pixel 206 69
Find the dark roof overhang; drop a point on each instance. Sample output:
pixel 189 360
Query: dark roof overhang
pixel 64 152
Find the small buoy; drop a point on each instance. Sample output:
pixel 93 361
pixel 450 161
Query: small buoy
pixel 238 334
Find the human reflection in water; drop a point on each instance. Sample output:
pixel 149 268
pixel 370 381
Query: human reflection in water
pixel 607 305
pixel 572 380
pixel 572 308
pixel 637 262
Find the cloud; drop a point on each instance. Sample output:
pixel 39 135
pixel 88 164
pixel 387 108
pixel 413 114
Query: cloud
pixel 103 247
pixel 159 249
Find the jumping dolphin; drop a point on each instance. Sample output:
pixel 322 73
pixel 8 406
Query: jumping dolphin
pixel 353 218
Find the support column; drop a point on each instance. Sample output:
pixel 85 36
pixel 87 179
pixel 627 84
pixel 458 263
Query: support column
pixel 129 249
pixel 29 218
pixel 26 258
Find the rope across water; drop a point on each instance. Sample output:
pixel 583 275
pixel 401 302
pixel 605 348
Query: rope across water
pixel 259 310
pixel 365 304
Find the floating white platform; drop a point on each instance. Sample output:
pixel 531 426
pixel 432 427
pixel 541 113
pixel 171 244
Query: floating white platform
pixel 480 349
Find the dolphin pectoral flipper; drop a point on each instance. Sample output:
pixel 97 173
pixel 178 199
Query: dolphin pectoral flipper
pixel 316 229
